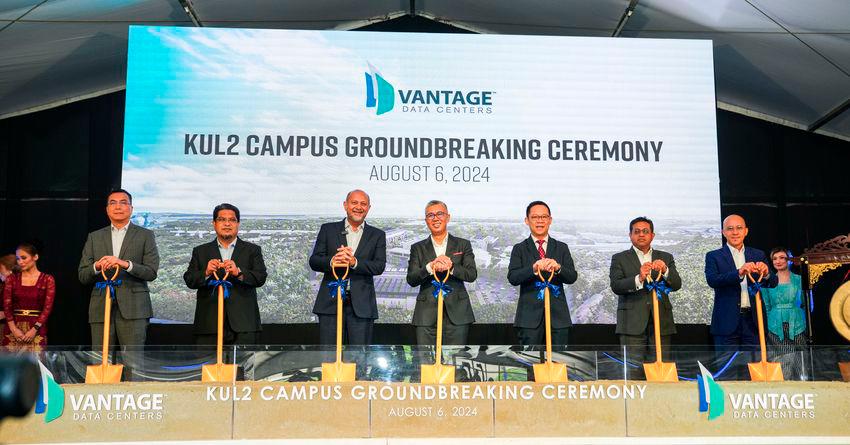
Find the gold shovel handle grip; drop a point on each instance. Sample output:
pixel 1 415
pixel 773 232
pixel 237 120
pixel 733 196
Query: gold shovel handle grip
pixel 547 280
pixel 345 266
pixel 115 274
pixel 215 274
pixel 750 276
pixel 446 278
pixel 649 278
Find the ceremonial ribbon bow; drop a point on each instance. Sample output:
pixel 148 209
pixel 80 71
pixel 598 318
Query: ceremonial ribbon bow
pixel 226 285
pixel 541 286
pixel 338 284
pixel 441 287
pixel 111 284
pixel 754 288
pixel 659 286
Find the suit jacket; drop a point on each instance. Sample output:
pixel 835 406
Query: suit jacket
pixel 722 275
pixel 457 305
pixel 133 296
pixel 371 257
pixel 529 310
pixel 634 305
pixel 240 308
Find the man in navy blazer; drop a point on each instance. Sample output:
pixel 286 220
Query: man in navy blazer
pixel 540 252
pixel 733 320
pixel 364 249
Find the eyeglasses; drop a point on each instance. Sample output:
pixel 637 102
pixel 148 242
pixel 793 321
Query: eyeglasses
pixel 224 220
pixel 643 231
pixel 539 217
pixel 433 215
pixel 121 203
pixel 734 229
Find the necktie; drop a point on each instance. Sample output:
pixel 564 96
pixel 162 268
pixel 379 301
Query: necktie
pixel 540 248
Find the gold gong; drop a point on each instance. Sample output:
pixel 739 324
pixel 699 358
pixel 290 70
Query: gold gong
pixel 839 310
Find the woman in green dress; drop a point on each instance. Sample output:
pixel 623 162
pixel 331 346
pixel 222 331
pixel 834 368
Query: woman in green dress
pixel 786 319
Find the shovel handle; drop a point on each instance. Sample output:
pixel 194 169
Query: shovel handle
pixel 339 309
pixel 656 319
pixel 759 317
pixel 547 313
pixel 219 343
pixel 438 359
pixel 107 312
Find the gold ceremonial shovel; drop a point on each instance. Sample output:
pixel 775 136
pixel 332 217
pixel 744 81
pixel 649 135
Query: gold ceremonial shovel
pixel 339 371
pixel 658 371
pixel 104 372
pixel 763 371
pixel 219 372
pixel 438 373
pixel 549 372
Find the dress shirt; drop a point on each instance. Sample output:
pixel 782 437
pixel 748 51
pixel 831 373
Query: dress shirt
pixel 118 236
pixel 644 258
pixel 740 259
pixel 352 237
pixel 439 249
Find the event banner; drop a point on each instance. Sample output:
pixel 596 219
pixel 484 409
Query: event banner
pixel 283 124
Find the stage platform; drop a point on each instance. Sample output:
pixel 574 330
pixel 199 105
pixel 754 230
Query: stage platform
pixel 279 396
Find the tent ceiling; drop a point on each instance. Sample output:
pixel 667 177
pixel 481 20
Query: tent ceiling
pixel 782 60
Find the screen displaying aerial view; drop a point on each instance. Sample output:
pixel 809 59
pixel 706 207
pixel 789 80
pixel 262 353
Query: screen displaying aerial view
pixel 283 124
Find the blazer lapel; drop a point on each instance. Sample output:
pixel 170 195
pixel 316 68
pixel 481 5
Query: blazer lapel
pixel 430 253
pixel 237 249
pixel 633 258
pixel 451 246
pixel 340 237
pixel 364 239
pixel 128 238
pixel 727 254
pixel 531 246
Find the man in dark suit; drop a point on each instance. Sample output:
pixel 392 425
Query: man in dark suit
pixel 243 261
pixel 441 253
pixel 733 320
pixel 133 250
pixel 540 252
pixel 628 273
pixel 363 248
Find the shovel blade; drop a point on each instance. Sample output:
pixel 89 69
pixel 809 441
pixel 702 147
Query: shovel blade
pixel 550 372
pixel 104 373
pixel 339 372
pixel 218 373
pixel 437 374
pixel 660 372
pixel 844 367
pixel 765 372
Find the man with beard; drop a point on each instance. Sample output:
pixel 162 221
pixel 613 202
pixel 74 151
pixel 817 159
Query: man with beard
pixel 628 277
pixel 363 248
pixel 243 261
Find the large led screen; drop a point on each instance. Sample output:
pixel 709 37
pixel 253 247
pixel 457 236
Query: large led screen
pixel 284 123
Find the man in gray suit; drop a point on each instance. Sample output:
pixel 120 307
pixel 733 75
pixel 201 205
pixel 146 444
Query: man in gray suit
pixel 133 250
pixel 628 274
pixel 441 253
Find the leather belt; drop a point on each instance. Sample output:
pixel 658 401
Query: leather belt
pixel 746 310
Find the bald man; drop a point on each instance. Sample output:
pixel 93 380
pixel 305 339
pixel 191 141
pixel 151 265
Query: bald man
pixel 733 320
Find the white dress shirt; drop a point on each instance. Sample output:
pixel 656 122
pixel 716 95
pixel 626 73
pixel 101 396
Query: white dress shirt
pixel 353 236
pixel 644 258
pixel 118 236
pixel 439 249
pixel 740 259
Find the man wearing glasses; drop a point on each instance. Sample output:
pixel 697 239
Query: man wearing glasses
pixel 243 263
pixel 628 275
pixel 733 321
pixel 133 250
pixel 540 252
pixel 441 253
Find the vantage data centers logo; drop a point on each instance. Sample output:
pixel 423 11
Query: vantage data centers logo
pixel 381 95
pixel 752 405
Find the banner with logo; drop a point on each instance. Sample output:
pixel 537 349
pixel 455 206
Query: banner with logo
pixel 284 123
